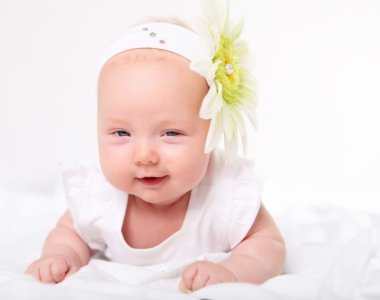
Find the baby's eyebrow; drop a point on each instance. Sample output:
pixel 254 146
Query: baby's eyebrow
pixel 173 123
pixel 115 119
pixel 114 122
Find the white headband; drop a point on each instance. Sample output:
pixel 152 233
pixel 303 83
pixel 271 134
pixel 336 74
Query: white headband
pixel 157 35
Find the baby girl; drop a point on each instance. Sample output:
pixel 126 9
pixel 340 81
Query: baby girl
pixel 163 192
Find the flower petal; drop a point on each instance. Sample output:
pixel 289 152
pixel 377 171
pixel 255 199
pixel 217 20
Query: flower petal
pixel 226 25
pixel 211 74
pixel 235 32
pixel 210 35
pixel 215 13
pixel 211 104
pixel 239 121
pixel 214 133
pixel 203 67
pixel 241 49
pixel 228 122
pixel 253 120
pixel 231 146
pixel 247 61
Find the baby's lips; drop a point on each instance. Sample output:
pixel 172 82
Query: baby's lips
pixel 152 180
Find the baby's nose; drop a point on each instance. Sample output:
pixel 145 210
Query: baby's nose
pixel 145 155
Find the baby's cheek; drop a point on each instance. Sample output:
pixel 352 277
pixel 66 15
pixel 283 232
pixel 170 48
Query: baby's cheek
pixel 114 173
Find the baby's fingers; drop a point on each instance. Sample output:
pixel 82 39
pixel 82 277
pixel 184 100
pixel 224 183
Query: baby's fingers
pixel 201 279
pixel 72 270
pixel 45 274
pixel 195 277
pixel 34 271
pixel 188 276
pixel 59 269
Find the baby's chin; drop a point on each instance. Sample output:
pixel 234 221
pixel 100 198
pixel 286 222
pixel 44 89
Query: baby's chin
pixel 159 200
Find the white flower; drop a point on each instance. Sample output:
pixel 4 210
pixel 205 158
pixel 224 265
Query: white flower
pixel 226 68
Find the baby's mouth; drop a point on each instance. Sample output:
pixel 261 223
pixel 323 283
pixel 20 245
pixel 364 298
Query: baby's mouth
pixel 152 180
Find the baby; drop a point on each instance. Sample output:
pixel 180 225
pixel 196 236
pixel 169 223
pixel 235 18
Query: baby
pixel 163 192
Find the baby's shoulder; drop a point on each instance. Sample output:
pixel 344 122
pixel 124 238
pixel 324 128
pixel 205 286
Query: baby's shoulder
pixel 233 194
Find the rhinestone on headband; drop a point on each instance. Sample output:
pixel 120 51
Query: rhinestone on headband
pixel 229 69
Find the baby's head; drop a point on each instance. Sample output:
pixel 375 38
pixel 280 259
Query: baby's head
pixel 167 96
pixel 151 137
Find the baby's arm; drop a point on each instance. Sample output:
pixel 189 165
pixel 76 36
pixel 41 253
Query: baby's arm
pixel 257 258
pixel 64 252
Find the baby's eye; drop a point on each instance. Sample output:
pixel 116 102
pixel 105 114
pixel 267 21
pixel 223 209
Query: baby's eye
pixel 171 133
pixel 121 133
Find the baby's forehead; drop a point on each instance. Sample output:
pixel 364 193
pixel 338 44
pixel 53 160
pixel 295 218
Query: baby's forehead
pixel 143 71
pixel 146 55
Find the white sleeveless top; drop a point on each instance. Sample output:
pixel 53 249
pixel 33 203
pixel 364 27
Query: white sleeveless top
pixel 221 210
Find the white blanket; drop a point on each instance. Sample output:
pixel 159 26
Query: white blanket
pixel 332 253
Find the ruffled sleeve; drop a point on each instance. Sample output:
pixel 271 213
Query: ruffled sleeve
pixel 246 198
pixel 78 181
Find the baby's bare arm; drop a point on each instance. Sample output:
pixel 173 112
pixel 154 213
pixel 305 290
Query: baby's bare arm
pixel 261 254
pixel 257 258
pixel 63 239
pixel 64 252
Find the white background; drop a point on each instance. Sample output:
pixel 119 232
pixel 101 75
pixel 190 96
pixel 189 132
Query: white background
pixel 317 64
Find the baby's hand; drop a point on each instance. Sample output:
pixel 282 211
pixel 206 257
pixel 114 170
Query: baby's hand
pixel 204 273
pixel 53 268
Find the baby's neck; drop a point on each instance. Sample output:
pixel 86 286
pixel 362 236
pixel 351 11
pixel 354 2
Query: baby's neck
pixel 146 225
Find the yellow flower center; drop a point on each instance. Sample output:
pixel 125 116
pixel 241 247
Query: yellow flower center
pixel 229 72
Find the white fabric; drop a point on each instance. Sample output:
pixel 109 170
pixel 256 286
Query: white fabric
pixel 221 210
pixel 158 35
pixel 332 253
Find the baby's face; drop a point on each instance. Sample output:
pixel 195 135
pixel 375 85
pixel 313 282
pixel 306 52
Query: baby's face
pixel 151 138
